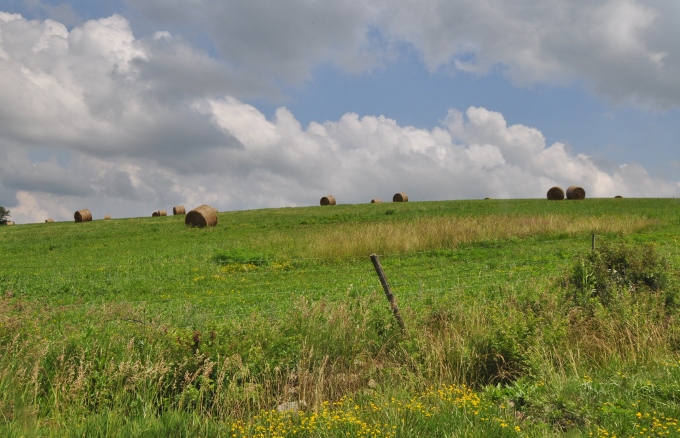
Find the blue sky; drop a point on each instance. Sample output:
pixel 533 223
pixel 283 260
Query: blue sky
pixel 134 106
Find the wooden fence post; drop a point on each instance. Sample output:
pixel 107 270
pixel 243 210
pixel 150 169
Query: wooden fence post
pixel 388 291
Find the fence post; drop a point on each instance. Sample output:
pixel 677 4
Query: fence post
pixel 388 291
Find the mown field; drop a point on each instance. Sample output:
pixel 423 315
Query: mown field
pixel 274 323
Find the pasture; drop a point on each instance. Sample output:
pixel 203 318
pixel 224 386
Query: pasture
pixel 274 323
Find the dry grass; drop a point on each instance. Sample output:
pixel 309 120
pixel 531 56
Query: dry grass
pixel 202 216
pixel 446 232
pixel 328 200
pixel 576 192
pixel 400 197
pixel 555 194
pixel 83 215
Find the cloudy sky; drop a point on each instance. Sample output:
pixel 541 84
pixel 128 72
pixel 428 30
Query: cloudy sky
pixel 125 107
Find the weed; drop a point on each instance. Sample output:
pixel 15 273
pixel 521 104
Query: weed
pixel 615 269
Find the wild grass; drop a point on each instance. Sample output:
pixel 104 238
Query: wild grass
pixel 215 329
pixel 435 233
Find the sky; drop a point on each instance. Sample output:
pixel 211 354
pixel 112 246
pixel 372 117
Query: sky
pixel 126 107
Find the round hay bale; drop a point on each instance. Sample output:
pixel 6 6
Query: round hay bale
pixel 203 216
pixel 107 217
pixel 618 197
pixel 179 209
pixel 83 215
pixel 159 213
pixel 9 223
pixel 376 201
pixel 328 200
pixel 400 197
pixel 487 198
pixel 576 192
pixel 556 194
pixel 49 221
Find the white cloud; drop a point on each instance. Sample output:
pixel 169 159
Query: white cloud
pixel 28 209
pixel 354 158
pixel 625 50
pixel 133 125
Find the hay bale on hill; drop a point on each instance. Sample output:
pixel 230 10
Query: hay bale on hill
pixel 556 194
pixel 49 221
pixel 618 197
pixel 328 200
pixel 400 197
pixel 9 223
pixel 376 201
pixel 179 209
pixel 83 215
pixel 107 217
pixel 159 213
pixel 202 216
pixel 576 192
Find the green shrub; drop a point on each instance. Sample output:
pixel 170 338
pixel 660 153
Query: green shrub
pixel 614 269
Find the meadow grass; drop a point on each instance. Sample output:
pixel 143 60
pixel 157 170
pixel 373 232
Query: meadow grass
pixel 143 327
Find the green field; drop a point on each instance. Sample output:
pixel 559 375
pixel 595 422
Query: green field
pixel 515 326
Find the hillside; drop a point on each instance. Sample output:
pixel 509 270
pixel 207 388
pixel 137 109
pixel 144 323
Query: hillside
pixel 117 327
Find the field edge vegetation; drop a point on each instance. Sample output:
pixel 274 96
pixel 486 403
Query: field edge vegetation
pixel 552 337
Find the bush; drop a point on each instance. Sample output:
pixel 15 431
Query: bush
pixel 613 269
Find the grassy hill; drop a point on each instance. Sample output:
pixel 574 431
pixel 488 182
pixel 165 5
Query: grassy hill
pixel 514 325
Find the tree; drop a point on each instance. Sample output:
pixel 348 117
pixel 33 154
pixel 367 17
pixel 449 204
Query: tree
pixel 4 214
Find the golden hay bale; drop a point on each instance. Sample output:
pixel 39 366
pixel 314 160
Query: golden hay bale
pixel 328 200
pixel 376 201
pixel 49 221
pixel 203 216
pixel 107 217
pixel 556 194
pixel 179 209
pixel 576 192
pixel 159 213
pixel 9 223
pixel 400 197
pixel 83 215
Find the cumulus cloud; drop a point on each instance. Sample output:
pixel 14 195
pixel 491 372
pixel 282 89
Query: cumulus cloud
pixel 274 40
pixel 625 50
pixel 127 133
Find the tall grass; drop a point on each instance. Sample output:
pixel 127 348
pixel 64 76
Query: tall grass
pixel 431 233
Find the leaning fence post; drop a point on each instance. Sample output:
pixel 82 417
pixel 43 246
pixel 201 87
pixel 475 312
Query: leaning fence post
pixel 388 291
